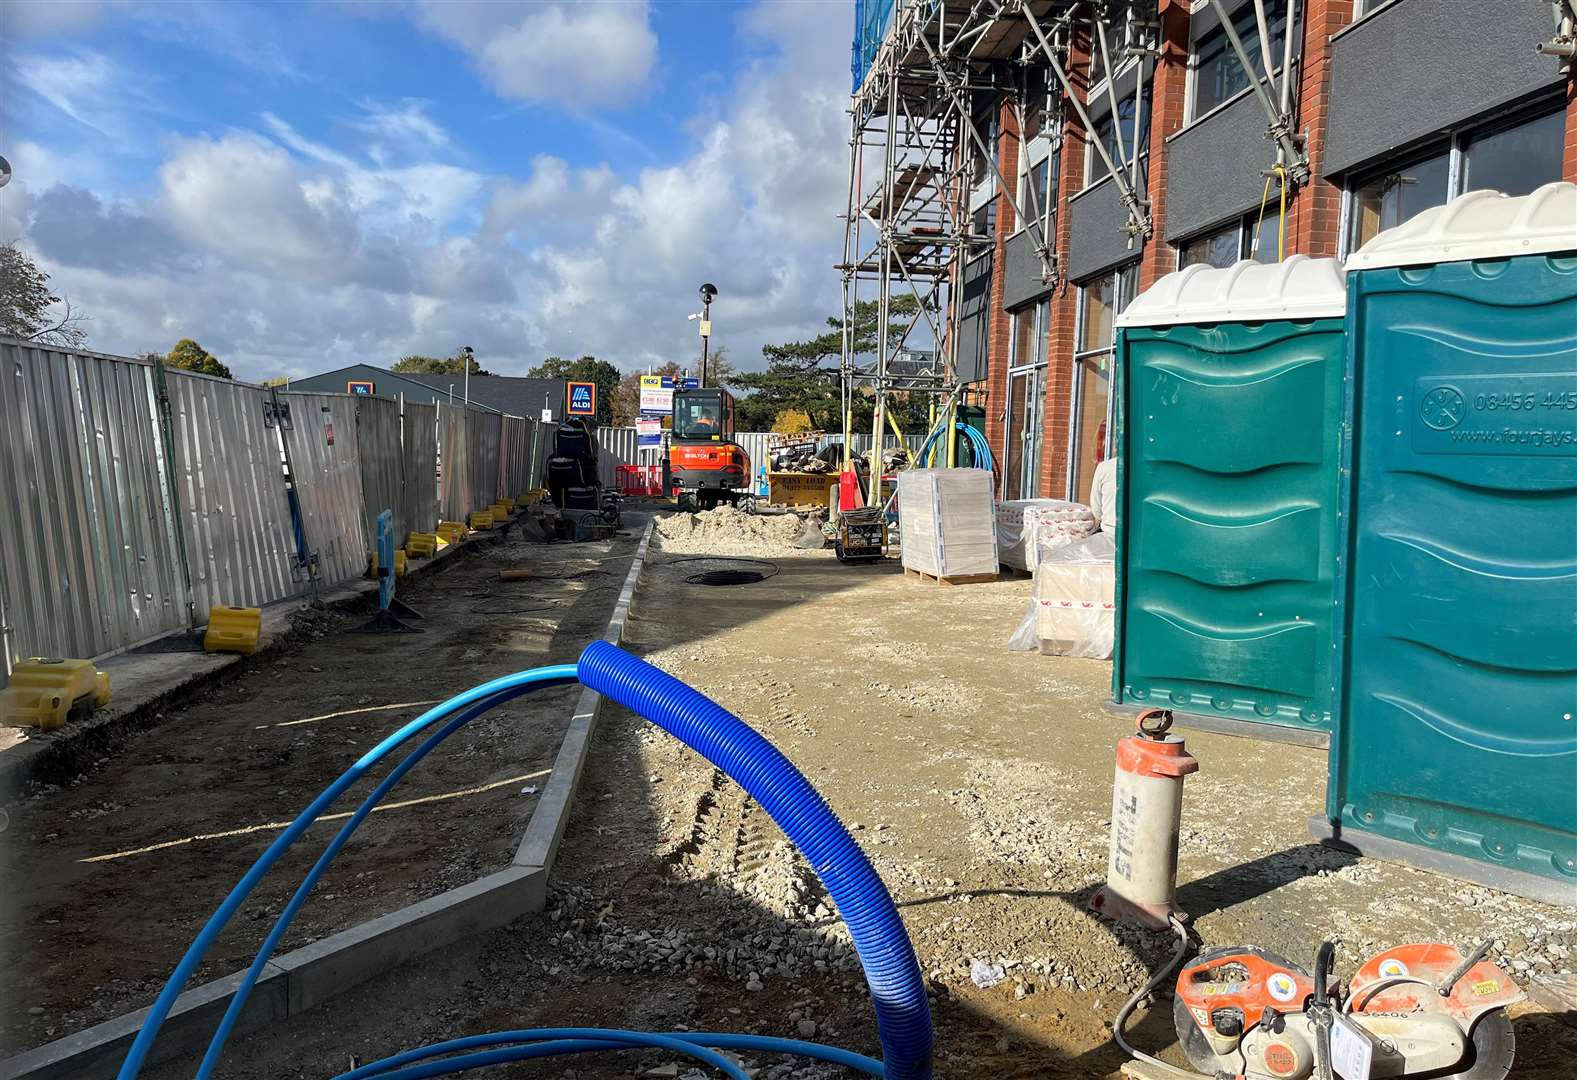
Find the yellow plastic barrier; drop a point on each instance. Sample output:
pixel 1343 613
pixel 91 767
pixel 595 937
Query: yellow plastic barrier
pixel 400 563
pixel 529 498
pixel 481 519
pixel 43 692
pixel 452 532
pixel 501 511
pixel 421 545
pixel 233 629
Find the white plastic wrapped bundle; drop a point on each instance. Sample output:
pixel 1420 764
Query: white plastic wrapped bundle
pixel 946 522
pixel 1072 609
pixel 1024 526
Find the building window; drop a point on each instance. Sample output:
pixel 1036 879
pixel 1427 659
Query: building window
pixel 1134 143
pixel 1039 172
pixel 1514 160
pixel 1249 237
pixel 984 224
pixel 1022 419
pixel 1217 75
pixel 1100 300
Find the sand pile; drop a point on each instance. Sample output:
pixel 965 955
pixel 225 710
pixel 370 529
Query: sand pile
pixel 728 530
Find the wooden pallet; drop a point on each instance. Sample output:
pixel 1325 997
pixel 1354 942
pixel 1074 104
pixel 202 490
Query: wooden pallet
pixel 1014 572
pixel 958 579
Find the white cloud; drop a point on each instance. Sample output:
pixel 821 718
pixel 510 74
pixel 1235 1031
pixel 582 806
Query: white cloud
pixel 580 55
pixel 286 252
pixel 48 16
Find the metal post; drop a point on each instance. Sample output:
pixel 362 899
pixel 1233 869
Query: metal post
pixel 178 519
pixel 1292 155
pixel 706 338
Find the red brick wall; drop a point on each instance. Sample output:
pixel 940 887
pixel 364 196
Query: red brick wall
pixel 1170 92
pixel 1314 217
pixel 1569 158
pixel 1001 323
pixel 1057 405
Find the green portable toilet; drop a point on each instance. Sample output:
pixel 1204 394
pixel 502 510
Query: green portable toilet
pixel 1229 406
pixel 1456 741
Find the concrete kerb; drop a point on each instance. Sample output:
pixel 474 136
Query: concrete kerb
pixel 145 684
pixel 304 978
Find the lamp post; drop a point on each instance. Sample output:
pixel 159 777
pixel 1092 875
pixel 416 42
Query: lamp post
pixel 467 355
pixel 708 291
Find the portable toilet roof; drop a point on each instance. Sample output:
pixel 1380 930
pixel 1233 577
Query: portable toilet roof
pixel 1296 288
pixel 1478 225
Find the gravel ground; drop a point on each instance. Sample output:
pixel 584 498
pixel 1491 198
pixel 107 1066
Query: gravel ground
pixel 978 782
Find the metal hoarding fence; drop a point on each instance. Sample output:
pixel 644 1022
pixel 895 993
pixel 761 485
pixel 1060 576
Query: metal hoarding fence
pixel 615 447
pixel 382 462
pixel 515 446
pixel 454 463
pixel 419 453
pixel 230 490
pixel 90 559
pixel 323 453
pixel 484 430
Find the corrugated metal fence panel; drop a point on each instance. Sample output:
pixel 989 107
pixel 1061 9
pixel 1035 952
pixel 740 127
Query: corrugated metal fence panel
pixel 484 430
pixel 328 482
pixel 231 484
pixel 615 447
pixel 382 463
pixel 516 445
pixel 91 563
pixel 755 444
pixel 454 485
pixel 542 450
pixel 419 452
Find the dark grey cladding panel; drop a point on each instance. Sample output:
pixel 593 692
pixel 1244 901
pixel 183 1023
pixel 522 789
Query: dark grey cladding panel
pixel 974 321
pixel 1097 238
pixel 1021 271
pixel 1214 168
pixel 1416 67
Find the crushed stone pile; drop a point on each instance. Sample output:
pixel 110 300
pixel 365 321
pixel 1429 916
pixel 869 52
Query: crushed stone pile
pixel 730 530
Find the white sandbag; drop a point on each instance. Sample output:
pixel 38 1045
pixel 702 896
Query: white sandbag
pixel 1024 525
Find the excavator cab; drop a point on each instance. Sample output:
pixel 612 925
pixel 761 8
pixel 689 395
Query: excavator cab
pixel 706 465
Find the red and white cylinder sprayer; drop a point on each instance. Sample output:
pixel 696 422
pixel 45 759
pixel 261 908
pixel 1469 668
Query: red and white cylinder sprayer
pixel 1147 807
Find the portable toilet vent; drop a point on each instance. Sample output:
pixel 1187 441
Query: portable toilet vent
pixel 1229 385
pixel 1456 739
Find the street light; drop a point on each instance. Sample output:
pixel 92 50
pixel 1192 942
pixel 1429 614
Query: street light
pixel 708 291
pixel 466 356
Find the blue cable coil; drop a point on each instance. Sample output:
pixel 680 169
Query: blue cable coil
pixel 902 1011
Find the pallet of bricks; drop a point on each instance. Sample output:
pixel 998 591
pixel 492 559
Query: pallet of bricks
pixel 1024 524
pixel 1072 609
pixel 947 525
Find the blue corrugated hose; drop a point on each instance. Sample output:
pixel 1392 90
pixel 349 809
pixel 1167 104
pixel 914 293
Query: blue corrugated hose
pixel 902 1012
pixel 903 1016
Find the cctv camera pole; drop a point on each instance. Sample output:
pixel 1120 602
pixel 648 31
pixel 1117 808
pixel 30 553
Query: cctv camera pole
pixel 706 333
pixel 467 358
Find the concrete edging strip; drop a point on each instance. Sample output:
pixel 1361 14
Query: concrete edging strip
pixel 304 978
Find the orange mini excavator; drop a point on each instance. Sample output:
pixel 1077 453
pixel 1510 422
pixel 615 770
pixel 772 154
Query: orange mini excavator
pixel 705 465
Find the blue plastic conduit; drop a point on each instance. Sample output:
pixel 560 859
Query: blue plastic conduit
pixel 498 690
pixel 715 1040
pixel 903 1016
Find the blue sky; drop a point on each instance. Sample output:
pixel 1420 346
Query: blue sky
pixel 308 184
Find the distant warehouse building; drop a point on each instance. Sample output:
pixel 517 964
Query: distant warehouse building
pixel 1031 165
pixel 535 399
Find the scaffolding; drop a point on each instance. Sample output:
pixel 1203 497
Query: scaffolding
pixel 917 154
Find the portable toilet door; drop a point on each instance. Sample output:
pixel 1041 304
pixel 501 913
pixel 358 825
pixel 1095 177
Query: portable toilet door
pixel 1229 386
pixel 1456 742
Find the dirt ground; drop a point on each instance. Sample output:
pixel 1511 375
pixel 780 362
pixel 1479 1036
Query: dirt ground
pixel 108 878
pixel 978 781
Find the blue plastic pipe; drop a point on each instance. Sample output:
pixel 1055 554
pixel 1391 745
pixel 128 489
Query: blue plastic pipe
pixel 287 916
pixel 764 1044
pixel 903 1016
pixel 498 689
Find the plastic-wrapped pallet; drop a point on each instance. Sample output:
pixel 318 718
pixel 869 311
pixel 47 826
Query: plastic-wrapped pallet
pixel 1072 609
pixel 1024 526
pixel 947 523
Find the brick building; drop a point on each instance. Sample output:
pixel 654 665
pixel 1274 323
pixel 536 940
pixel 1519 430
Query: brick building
pixel 1390 107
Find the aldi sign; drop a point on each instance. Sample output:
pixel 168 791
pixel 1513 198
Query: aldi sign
pixel 581 399
pixel 356 386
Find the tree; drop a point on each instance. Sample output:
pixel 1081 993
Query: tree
pixel 437 365
pixel 26 300
pixel 190 356
pixel 803 375
pixel 586 369
pixel 791 422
